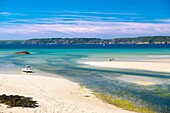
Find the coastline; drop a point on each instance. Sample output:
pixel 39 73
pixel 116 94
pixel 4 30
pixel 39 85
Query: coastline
pixel 154 65
pixel 53 95
pixel 73 97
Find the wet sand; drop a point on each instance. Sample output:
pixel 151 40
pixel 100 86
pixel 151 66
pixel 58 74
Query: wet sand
pixel 158 65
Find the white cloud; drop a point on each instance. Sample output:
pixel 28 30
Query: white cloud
pixel 11 13
pixel 91 12
pixel 88 28
pixel 163 20
pixel 5 13
pixel 74 25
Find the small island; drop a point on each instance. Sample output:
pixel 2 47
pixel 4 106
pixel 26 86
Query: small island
pixel 22 52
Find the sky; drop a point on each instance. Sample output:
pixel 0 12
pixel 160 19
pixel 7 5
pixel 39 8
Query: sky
pixel 26 19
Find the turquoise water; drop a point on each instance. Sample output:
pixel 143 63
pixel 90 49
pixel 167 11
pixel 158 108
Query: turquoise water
pixel 67 63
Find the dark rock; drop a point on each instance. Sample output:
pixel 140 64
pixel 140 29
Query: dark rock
pixel 21 52
pixel 86 95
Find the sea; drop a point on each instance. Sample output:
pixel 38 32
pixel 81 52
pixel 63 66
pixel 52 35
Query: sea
pixel 66 60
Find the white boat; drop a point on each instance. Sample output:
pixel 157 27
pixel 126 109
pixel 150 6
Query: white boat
pixel 27 69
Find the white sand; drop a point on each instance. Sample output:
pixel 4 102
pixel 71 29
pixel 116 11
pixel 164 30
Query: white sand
pixel 142 80
pixel 144 83
pixel 54 95
pixel 158 66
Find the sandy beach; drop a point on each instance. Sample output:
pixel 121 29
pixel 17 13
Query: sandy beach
pixel 157 66
pixel 54 95
pixel 154 65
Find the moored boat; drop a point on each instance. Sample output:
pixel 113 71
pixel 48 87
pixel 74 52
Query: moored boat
pixel 27 69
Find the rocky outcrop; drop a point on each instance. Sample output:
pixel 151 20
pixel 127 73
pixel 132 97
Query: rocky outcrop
pixel 21 52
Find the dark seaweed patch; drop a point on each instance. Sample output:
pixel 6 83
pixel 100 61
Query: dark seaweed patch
pixel 18 101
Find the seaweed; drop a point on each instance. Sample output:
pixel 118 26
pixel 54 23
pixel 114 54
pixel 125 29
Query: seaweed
pixel 18 101
pixel 123 103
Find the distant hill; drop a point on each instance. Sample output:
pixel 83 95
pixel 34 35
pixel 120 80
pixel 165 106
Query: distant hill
pixel 138 40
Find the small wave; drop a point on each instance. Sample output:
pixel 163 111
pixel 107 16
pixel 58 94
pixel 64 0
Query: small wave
pixel 159 56
pixel 4 55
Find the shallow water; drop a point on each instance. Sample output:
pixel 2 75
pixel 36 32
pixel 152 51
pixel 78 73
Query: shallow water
pixel 66 62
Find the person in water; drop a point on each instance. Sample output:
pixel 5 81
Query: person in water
pixel 111 59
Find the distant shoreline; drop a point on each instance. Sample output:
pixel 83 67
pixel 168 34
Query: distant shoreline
pixel 137 40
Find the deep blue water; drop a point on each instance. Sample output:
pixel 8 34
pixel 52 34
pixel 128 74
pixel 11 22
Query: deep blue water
pixel 85 46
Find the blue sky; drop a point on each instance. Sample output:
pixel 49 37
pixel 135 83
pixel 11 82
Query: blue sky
pixel 83 18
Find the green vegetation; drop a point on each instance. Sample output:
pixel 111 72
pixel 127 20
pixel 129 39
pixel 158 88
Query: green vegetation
pixel 160 89
pixel 164 95
pixel 123 103
pixel 82 88
pixel 144 40
pixel 18 101
pixel 138 40
pixel 161 92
